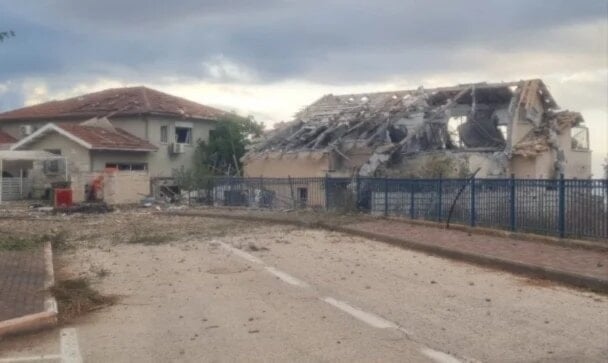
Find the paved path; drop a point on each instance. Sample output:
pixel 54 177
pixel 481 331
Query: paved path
pixel 574 260
pixel 284 293
pixel 575 266
pixel 22 282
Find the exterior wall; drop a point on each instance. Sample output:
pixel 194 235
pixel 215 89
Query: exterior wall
pixel 77 157
pixel 293 165
pixel 162 163
pixel 419 165
pixel 126 187
pixel 119 187
pixel 13 128
pixel 100 158
pixel 578 165
pixel 578 162
pixel 523 167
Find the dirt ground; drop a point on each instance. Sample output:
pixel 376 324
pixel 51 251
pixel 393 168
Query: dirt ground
pixel 199 289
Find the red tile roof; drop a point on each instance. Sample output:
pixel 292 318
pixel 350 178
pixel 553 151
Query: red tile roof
pixel 6 138
pixel 127 101
pixel 107 139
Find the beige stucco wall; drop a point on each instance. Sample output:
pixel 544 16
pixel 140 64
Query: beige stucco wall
pixel 13 128
pixel 126 187
pixel 161 162
pixel 578 165
pixel 282 167
pixel 77 156
pixel 99 158
pixel 578 162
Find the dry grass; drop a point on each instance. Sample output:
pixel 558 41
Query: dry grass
pixel 22 242
pixel 75 297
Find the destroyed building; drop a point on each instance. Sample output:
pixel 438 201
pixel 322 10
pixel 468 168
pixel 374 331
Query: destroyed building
pixel 499 128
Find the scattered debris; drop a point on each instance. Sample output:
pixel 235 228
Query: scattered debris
pixel 76 297
pixel 394 133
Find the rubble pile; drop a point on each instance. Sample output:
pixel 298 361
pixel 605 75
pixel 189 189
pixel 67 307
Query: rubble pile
pixel 473 117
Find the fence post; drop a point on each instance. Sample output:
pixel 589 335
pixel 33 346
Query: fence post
pixel 412 210
pixel 357 191
pixel 385 196
pixel 512 212
pixel 326 181
pixel 562 206
pixel 473 212
pixel 439 197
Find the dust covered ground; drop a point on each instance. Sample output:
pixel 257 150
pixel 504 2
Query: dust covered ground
pixel 199 289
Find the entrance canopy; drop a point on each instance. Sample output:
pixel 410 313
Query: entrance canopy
pixel 26 156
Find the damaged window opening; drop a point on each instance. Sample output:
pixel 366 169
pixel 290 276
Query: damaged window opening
pixel 183 135
pixel 580 138
pixel 454 124
pixel 127 166
pixel 503 131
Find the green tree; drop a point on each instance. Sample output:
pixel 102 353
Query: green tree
pixel 227 145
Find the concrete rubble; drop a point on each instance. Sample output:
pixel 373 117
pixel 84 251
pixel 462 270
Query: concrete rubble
pixel 393 126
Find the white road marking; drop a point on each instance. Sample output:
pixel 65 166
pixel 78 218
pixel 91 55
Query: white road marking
pixel 439 357
pixel 368 318
pixel 242 254
pixel 70 352
pixel 37 358
pixel 285 277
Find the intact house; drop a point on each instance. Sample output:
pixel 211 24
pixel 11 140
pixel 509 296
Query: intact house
pixel 499 128
pixel 133 139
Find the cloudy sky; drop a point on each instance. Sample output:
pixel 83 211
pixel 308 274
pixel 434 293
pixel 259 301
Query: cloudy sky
pixel 269 58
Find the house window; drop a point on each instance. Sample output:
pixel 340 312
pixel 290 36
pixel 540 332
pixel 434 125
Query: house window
pixel 183 135
pixel 52 166
pixel 580 138
pixel 127 166
pixel 164 134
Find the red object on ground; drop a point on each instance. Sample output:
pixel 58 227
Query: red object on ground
pixel 63 197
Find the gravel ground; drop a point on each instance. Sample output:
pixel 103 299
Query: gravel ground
pixel 186 298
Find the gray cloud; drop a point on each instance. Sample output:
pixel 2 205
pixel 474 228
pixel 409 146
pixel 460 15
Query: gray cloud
pixel 331 41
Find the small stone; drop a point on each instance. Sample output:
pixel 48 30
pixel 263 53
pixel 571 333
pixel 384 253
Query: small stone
pixel 433 282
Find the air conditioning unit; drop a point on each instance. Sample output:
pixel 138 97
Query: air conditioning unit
pixel 177 148
pixel 26 130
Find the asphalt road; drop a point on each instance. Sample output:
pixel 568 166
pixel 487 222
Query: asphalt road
pixel 288 294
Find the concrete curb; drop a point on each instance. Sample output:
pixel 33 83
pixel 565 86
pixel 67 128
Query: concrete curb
pixel 554 241
pixel 40 320
pixel 563 277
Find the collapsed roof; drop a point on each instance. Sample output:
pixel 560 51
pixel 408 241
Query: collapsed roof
pixel 470 116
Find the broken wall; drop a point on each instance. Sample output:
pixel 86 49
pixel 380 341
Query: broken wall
pixel 449 164
pixel 296 165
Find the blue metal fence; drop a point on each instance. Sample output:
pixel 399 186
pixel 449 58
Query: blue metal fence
pixel 559 207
